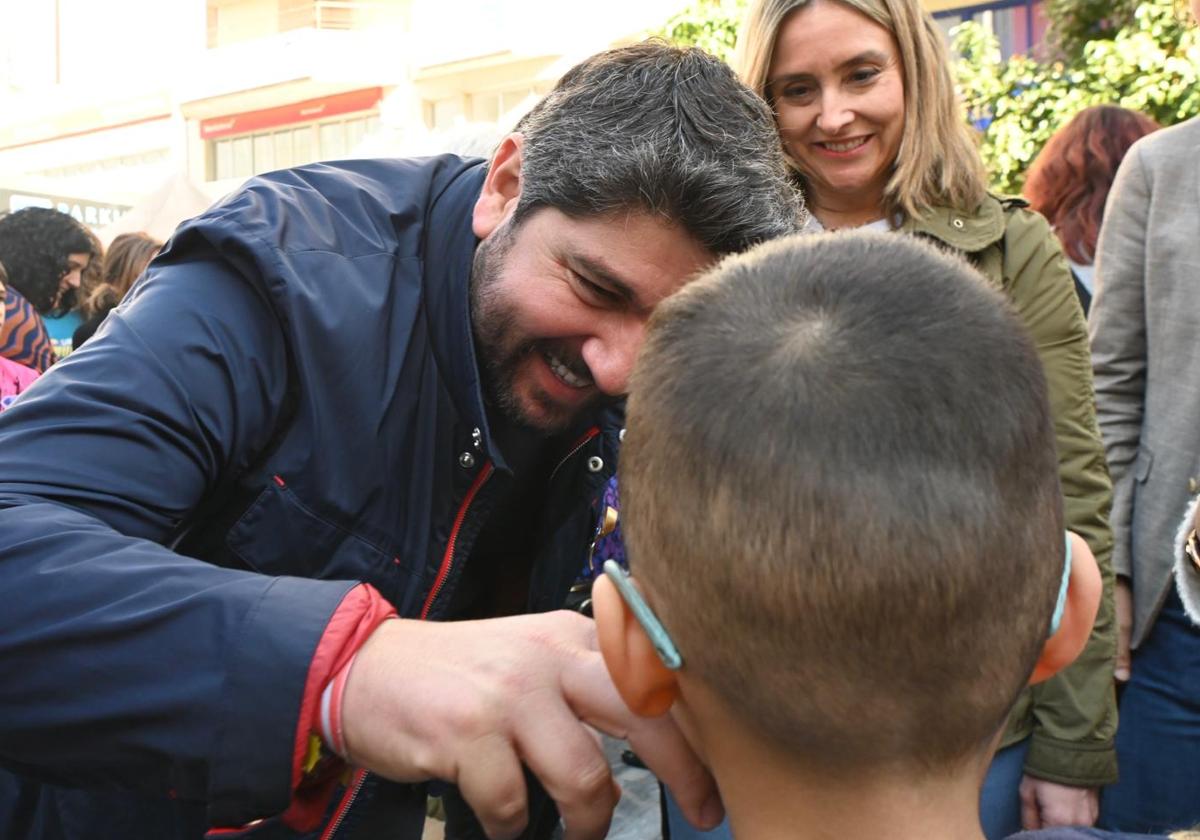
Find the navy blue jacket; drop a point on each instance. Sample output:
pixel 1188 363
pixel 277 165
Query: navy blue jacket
pixel 290 399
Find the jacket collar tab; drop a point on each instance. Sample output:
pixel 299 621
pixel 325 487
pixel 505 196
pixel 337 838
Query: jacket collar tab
pixel 968 232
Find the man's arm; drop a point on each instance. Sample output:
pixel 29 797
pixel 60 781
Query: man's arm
pixel 121 661
pixel 1118 334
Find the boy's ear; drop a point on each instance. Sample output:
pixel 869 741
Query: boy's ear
pixel 647 686
pixel 501 187
pixel 1084 592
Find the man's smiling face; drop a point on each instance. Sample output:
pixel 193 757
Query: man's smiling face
pixel 559 307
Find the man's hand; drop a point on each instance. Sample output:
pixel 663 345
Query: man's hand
pixel 470 702
pixel 1046 804
pixel 1123 601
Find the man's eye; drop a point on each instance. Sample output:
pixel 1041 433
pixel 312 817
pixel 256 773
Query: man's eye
pixel 595 290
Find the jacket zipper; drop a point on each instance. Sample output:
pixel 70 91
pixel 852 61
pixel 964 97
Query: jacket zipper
pixel 360 778
pixel 438 583
pixel 448 557
pixel 579 444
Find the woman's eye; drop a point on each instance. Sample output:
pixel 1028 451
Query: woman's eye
pixel 864 75
pixel 796 91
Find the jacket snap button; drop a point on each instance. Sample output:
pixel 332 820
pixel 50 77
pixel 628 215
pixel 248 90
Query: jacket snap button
pixel 466 460
pixel 595 463
pixel 958 223
pixel 477 439
pixel 1192 486
pixel 621 436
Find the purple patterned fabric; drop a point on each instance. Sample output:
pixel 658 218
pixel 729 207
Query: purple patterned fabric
pixel 608 546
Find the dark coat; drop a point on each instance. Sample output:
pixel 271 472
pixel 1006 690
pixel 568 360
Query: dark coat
pixel 290 398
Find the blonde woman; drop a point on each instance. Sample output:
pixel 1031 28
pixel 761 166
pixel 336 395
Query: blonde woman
pixel 867 114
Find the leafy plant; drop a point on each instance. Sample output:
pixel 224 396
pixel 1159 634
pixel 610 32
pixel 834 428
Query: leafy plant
pixel 711 25
pixel 1149 65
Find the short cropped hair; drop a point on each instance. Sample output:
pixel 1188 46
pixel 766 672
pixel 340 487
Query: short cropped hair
pixel 668 131
pixel 938 163
pixel 840 489
pixel 34 245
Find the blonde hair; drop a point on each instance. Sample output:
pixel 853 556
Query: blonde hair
pixel 938 163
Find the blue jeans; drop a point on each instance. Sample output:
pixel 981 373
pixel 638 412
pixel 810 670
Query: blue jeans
pixel 1158 740
pixel 1000 798
pixel 999 807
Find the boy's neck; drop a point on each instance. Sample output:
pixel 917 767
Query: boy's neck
pixel 769 796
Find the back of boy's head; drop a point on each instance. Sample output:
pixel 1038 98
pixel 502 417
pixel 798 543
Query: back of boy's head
pixel 840 491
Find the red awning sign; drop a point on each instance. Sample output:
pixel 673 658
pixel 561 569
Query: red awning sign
pixel 307 111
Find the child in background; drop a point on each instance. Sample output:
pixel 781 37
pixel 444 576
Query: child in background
pixel 14 378
pixel 840 496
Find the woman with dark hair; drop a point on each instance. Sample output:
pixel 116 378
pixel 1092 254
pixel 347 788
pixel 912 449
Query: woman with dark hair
pixel 45 252
pixel 127 258
pixel 1069 180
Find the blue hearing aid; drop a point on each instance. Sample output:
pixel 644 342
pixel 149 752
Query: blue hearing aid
pixel 667 652
pixel 1061 603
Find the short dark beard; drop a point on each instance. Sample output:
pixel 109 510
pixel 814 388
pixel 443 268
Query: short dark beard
pixel 491 321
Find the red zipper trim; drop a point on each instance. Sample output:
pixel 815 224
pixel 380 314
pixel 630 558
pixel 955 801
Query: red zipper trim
pixel 575 447
pixel 360 776
pixel 448 557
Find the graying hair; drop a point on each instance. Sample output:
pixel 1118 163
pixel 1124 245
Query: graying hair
pixel 666 130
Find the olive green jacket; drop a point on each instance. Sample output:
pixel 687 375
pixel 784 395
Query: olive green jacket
pixel 1072 717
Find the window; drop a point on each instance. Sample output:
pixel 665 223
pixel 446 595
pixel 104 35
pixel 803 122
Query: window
pixel 251 154
pixel 1019 25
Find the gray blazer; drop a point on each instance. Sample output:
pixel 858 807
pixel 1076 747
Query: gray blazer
pixel 1145 331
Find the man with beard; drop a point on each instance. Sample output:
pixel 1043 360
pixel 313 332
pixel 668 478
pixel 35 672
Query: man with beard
pixel 347 393
pixel 45 253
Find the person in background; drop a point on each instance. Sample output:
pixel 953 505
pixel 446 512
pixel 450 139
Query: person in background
pixel 14 377
pixel 46 253
pixel 23 336
pixel 127 257
pixel 62 323
pixel 1145 355
pixel 1069 180
pixel 866 110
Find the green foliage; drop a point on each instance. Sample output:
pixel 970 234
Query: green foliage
pixel 1149 65
pixel 711 25
pixel 1078 21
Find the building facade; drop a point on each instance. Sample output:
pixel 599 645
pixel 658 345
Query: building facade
pixel 226 89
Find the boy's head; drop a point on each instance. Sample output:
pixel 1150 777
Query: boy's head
pixel 840 495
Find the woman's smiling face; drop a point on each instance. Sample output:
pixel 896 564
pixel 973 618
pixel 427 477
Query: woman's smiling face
pixel 837 85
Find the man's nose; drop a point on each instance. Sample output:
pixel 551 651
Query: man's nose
pixel 610 355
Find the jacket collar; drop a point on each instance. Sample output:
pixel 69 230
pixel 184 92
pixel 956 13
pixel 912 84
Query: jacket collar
pixel 448 254
pixel 969 232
